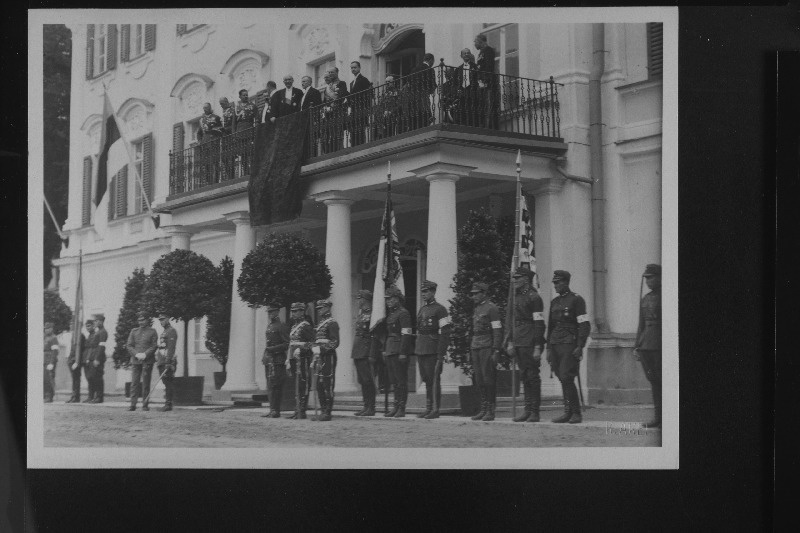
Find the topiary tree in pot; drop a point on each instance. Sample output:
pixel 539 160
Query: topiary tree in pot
pixel 57 312
pixel 218 325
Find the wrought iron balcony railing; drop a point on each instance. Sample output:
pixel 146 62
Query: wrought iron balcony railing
pixel 443 95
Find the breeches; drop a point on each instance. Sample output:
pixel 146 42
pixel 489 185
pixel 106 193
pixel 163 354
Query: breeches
pixel 140 376
pixel 398 370
pixel 528 366
pixel 49 382
pixel 563 362
pixel 326 376
pixel 302 378
pixel 168 385
pixel 484 366
pixel 651 363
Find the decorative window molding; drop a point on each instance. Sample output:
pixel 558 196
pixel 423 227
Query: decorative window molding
pixel 135 115
pixel 395 33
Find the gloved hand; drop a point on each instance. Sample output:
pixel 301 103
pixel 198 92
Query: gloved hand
pixel 577 353
pixel 50 367
pixel 140 356
pixel 637 354
pixel 74 366
pixel 96 363
pixel 537 353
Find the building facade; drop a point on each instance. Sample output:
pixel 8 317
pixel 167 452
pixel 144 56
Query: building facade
pixel 158 77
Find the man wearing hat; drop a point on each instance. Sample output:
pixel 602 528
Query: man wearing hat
pixel 301 336
pixel 433 336
pixel 142 344
pixel 326 340
pixel 88 369
pixel 50 359
pixel 97 359
pixel 399 345
pixel 526 340
pixel 647 348
pixel 567 331
pixel 75 361
pixel 487 338
pixel 274 359
pixel 166 362
pixel 363 353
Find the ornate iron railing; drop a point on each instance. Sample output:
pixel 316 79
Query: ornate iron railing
pixel 443 95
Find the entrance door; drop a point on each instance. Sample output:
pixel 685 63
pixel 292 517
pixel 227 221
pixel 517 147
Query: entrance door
pixel 401 58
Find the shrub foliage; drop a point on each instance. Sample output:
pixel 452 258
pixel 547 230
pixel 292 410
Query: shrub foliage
pixel 131 305
pixel 218 326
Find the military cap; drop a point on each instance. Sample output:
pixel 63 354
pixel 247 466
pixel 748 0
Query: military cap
pixel 393 291
pixel 364 294
pixel 523 271
pixel 90 322
pixel 140 314
pixel 48 324
pixel 479 287
pixel 323 303
pixel 652 270
pixel 428 285
pixel 298 306
pixel 162 313
pixel 273 307
pixel 561 275
pixel 99 316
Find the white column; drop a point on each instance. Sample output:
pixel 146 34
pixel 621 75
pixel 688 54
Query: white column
pixel 180 237
pixel 338 256
pixel 241 365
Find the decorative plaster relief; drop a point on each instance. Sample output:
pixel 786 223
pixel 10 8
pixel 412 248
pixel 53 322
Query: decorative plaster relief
pixel 136 123
pixel 246 76
pixel 317 40
pixel 192 100
pixel 138 67
pixel 197 39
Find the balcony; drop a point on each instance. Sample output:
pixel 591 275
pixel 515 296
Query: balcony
pixel 486 104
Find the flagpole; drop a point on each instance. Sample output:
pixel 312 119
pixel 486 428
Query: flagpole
pixel 514 264
pixel 53 217
pixel 77 319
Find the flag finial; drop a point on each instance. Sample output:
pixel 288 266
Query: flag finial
pixel 519 158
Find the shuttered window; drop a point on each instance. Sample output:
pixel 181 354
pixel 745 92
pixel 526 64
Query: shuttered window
pixel 177 138
pixel 147 168
pixel 90 51
pixel 101 49
pixel 125 43
pixel 121 197
pixel 86 207
pixel 149 37
pixel 111 56
pixel 112 194
pixel 181 29
pixel 655 48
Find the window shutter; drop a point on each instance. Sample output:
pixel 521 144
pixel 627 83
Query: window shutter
pixel 89 51
pixel 655 49
pixel 86 212
pixel 149 37
pixel 122 192
pixel 125 42
pixel 177 138
pixel 147 168
pixel 181 29
pixel 112 194
pixel 111 56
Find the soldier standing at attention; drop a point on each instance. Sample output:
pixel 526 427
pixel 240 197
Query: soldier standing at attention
pixel 567 331
pixel 142 344
pixel 246 112
pixel 228 116
pixel 363 353
pixel 166 362
pixel 275 359
pixel 50 359
pixel 210 125
pixel 75 362
pixel 326 340
pixel 86 354
pixel 648 337
pixel 98 356
pixel 487 338
pixel 399 345
pixel 526 341
pixel 301 336
pixel 433 336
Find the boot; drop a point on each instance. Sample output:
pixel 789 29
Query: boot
pixel 428 406
pixel 145 407
pixel 167 407
pixel 567 413
pixel 484 406
pixel 402 396
pixel 575 405
pixel 395 407
pixel 523 417
pixel 369 410
pixel 325 415
pixel 536 400
pixel 73 399
pixel 361 411
pixel 401 411
pixel 489 416
pixel 301 409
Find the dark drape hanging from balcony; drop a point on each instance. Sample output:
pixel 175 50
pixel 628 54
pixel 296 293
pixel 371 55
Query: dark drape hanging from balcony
pixel 275 191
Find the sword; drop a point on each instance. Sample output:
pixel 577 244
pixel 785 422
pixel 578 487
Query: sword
pixel 580 388
pixel 146 400
pixel 314 386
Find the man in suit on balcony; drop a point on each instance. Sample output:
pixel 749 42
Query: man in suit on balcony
pixel 420 87
pixel 285 101
pixel 359 102
pixel 488 89
pixel 262 100
pixel 311 96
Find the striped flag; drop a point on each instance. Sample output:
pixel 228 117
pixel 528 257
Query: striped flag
pixel 388 271
pixel 113 156
pixel 525 254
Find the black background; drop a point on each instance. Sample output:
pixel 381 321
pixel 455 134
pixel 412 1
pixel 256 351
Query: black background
pixel 729 287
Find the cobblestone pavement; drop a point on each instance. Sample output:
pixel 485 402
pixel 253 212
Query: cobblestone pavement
pixel 111 424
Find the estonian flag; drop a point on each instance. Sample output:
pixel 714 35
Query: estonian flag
pixel 113 156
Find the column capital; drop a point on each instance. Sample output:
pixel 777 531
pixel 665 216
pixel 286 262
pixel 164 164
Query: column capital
pixel 238 217
pixel 177 229
pixel 440 170
pixel 334 198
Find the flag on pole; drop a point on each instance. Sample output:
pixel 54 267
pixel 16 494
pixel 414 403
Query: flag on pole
pixel 113 156
pixel 525 255
pixel 388 271
pixel 77 313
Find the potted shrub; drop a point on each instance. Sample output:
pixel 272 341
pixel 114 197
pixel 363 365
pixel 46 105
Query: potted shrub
pixel 218 325
pixel 126 321
pixel 57 312
pixel 184 285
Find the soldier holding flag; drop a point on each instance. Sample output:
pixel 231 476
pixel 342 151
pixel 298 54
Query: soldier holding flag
pixel 399 345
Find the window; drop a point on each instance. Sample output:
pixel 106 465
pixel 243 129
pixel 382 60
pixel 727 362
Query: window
pixel 101 49
pixel 194 128
pixel 137 170
pixel 137 40
pixel 655 49
pixel 186 28
pixel 505 41
pixel 320 69
pixel 200 336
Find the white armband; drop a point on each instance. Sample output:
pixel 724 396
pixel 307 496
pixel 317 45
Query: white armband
pixel 315 350
pixel 538 315
pixel 444 321
pixel 405 331
pixel 103 344
pixel 54 347
pixel 496 324
pixel 583 318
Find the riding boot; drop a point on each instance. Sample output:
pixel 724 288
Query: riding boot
pixel 370 403
pixel 567 411
pixel 327 407
pixel 527 412
pixel 167 406
pixel 395 405
pixel 401 410
pixel 484 406
pixel 575 406
pixel 489 416
pixel 428 404
pixel 363 410
pixel 100 390
pixel 536 400
pixel 301 407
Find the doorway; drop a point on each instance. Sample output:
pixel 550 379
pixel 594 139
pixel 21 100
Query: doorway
pixel 403 56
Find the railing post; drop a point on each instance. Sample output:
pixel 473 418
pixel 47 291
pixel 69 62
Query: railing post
pixel 553 105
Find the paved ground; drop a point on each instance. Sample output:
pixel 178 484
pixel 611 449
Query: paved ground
pixel 111 424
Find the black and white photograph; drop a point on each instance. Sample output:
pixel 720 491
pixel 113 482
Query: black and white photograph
pixel 370 239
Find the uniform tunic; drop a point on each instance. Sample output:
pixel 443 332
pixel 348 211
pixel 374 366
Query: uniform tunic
pixel 568 328
pixel 399 339
pixel 527 333
pixel 210 127
pixel 50 358
pixel 648 336
pixel 433 329
pixel 76 358
pixel 142 340
pixel 301 337
pixel 228 119
pixel 326 338
pixel 487 333
pixel 363 343
pixel 277 343
pixel 246 115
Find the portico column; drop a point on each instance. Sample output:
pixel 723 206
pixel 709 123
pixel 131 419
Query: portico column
pixel 338 259
pixel 180 237
pixel 241 367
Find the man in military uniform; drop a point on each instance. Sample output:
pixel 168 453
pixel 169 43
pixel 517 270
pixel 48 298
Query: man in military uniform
pixel 326 340
pixel 648 337
pixel 142 344
pixel 210 125
pixel 487 338
pixel 86 354
pixel 526 341
pixel 301 337
pixel 246 112
pixel 97 358
pixel 75 361
pixel 228 116
pixel 433 336
pixel 166 362
pixel 567 331
pixel 363 353
pixel 399 346
pixel 275 359
pixel 50 359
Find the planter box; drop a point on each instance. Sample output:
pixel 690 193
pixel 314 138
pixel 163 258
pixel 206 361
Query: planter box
pixel 470 398
pixel 188 390
pixel 219 379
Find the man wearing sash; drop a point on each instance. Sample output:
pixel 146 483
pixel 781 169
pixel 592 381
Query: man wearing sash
pixel 399 345
pixel 301 336
pixel 166 360
pixel 326 340
pixel 275 359
pixel 433 336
